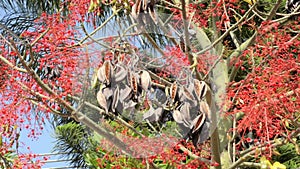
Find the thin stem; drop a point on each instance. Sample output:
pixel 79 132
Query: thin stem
pixel 192 155
pixel 97 29
pixel 11 65
pixel 40 37
pixel 286 16
pixel 51 109
pixel 251 151
pixel 186 32
pixel 227 32
pixel 172 5
pixel 273 10
pixel 214 64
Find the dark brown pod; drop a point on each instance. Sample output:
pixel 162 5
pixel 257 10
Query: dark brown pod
pixel 133 82
pixel 104 73
pixel 204 108
pixel 198 122
pixel 173 91
pixel 108 71
pixel 187 93
pixel 200 88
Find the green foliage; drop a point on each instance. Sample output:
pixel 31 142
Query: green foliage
pixel 6 161
pixel 98 157
pixel 289 155
pixel 172 129
pixel 72 139
pixel 20 14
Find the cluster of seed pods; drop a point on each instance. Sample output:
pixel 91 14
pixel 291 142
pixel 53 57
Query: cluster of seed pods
pixel 125 90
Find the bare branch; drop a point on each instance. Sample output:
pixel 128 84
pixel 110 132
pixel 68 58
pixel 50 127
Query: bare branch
pixel 97 29
pixel 11 65
pixel 252 151
pixel 192 155
pixel 273 10
pixel 186 32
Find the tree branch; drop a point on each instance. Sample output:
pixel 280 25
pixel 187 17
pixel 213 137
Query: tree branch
pixel 11 65
pixel 77 115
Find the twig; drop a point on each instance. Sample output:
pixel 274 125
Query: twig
pixel 97 29
pixel 186 32
pixel 273 10
pixel 257 14
pixel 251 152
pixel 284 19
pixel 227 32
pixel 214 64
pixel 11 32
pixel 89 36
pixel 11 65
pixel 39 37
pixel 251 164
pixel 39 98
pixel 51 109
pixel 172 5
pixel 160 79
pixel 146 34
pixel 192 155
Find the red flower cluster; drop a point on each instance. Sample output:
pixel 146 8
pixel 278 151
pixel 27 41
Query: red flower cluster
pixel 269 97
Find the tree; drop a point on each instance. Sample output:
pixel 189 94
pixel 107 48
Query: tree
pixel 226 82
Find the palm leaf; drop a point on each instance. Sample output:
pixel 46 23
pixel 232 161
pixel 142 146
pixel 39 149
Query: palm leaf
pixel 72 140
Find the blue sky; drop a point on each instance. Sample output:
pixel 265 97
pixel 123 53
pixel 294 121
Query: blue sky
pixel 44 143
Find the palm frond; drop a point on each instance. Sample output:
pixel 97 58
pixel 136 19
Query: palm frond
pixel 36 6
pixel 72 140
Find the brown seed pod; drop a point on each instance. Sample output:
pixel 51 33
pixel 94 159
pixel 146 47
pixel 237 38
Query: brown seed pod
pixel 204 108
pixel 200 88
pixel 125 94
pixel 153 115
pixel 187 93
pixel 198 122
pixel 101 74
pixel 120 74
pixel 173 91
pixel 102 100
pixel 147 103
pixel 133 83
pixel 185 114
pixel 104 73
pixel 108 71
